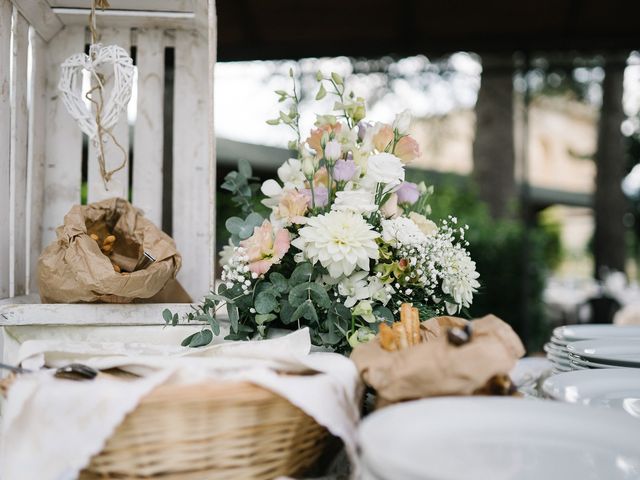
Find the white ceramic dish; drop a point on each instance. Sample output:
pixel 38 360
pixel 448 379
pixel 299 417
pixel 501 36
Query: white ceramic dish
pixel 617 351
pixel 499 439
pixel 575 333
pixel 574 360
pixel 617 388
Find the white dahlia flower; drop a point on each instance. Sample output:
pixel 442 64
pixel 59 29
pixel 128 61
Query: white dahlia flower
pixel 340 241
pixel 460 280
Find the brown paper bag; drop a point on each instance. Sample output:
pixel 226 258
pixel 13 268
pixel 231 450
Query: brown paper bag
pixel 435 367
pixel 74 269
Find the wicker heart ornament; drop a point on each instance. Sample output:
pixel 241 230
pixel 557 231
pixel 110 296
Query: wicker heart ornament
pixel 71 85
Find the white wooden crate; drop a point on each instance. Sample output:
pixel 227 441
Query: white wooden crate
pixel 41 146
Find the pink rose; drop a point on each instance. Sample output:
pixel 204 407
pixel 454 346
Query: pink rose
pixel 265 247
pixel 407 149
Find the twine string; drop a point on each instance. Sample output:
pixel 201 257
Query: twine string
pixel 100 82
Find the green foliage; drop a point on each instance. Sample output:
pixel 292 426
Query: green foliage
pixel 242 185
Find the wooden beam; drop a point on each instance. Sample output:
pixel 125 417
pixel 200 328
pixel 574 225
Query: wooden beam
pixel 128 18
pixel 88 314
pixel 18 171
pixel 5 141
pixel 40 16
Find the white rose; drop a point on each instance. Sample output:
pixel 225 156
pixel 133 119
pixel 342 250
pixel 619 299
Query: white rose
pixel 402 122
pixel 356 201
pixel 384 168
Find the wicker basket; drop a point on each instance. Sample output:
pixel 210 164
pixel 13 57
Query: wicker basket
pixel 212 431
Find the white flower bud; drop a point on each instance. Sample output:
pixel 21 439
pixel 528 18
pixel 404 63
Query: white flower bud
pixel 402 122
pixel 308 167
pixel 332 151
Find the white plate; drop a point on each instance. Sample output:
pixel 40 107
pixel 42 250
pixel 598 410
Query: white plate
pixel 499 439
pixel 585 363
pixel 617 388
pixel 574 333
pixel 610 351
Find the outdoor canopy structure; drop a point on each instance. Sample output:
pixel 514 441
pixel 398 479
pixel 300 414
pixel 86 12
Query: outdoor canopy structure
pixel 279 29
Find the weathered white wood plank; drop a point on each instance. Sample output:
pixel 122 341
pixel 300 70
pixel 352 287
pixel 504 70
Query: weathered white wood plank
pixel 88 314
pixel 63 144
pixel 191 176
pixel 212 23
pixel 153 5
pixel 5 142
pixel 128 18
pixel 148 140
pixel 40 16
pixel 35 172
pixel 18 173
pixel 119 184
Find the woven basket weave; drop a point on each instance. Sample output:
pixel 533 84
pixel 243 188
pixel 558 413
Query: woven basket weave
pixel 212 431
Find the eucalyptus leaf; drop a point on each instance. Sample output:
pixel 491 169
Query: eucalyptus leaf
pixel 234 224
pixel 234 316
pixel 198 339
pixel 279 282
pixel 244 167
pixel 265 318
pixel 286 312
pixel 319 295
pixel 265 302
pixel 167 315
pixel 302 273
pixel 299 294
pixel 384 312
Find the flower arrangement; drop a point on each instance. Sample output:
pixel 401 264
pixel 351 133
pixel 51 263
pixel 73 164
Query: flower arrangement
pixel 345 240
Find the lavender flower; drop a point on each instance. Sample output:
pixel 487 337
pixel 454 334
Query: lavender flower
pixel 344 170
pixel 408 193
pixel 320 195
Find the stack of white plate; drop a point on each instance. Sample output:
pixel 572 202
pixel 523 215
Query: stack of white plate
pixel 564 361
pixel 604 353
pixel 616 389
pixel 498 439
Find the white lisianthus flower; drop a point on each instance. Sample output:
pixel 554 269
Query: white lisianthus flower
pixel 290 174
pixel 460 280
pixel 402 122
pixel 332 150
pixel 357 201
pixel 384 168
pixel 378 292
pixel 354 288
pixel 273 191
pixel 402 231
pixel 340 241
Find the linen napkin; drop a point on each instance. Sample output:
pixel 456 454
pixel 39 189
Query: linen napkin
pixel 435 367
pixel 51 428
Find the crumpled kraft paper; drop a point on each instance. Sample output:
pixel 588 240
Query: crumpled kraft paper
pixel 73 268
pixel 435 367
